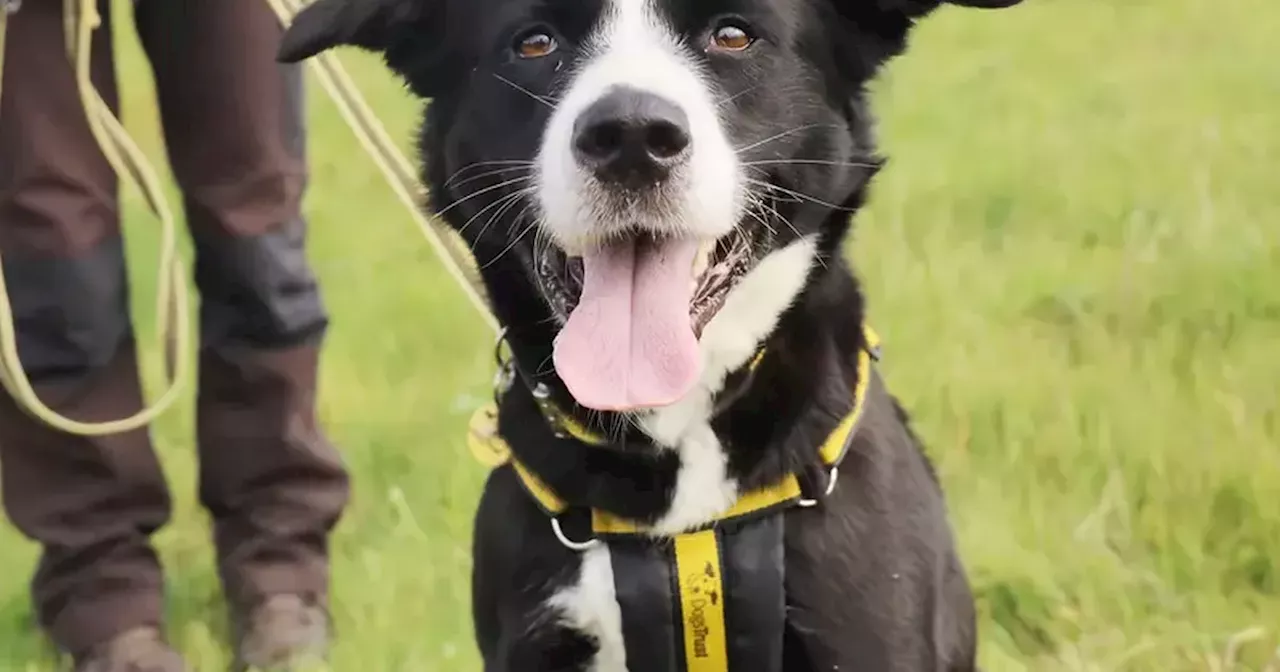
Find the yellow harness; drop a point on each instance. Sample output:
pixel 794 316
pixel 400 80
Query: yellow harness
pixel 695 560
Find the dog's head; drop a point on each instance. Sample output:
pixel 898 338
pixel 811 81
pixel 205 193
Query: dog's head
pixel 638 159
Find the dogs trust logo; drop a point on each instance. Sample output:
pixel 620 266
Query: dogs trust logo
pixel 703 593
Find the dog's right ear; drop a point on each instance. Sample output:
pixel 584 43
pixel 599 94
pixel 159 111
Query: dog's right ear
pixel 406 32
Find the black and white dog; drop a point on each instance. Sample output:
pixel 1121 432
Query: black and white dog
pixel 657 192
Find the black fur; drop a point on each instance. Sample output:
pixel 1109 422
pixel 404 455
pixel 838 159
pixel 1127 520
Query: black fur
pixel 873 579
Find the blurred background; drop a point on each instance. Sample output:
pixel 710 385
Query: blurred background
pixel 1073 257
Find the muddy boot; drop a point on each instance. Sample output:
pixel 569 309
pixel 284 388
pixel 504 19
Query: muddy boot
pixel 284 632
pixel 137 650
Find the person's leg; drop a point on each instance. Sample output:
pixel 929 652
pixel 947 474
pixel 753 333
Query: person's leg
pixel 233 122
pixel 92 503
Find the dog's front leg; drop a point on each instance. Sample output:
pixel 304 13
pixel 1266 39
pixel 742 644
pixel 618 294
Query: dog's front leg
pixel 873 580
pixel 538 606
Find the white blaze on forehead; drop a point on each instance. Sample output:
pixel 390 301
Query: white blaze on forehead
pixel 639 47
pixel 634 46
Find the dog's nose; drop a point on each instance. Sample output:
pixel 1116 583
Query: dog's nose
pixel 631 138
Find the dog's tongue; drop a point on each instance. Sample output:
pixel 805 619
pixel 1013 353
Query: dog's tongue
pixel 629 343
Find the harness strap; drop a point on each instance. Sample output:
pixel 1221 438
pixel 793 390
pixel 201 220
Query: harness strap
pixel 700 587
pixel 709 601
pixel 750 505
pixel 837 444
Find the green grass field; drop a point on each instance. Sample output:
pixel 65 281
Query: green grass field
pixel 1074 257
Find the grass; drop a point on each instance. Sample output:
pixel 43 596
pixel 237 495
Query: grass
pixel 1074 256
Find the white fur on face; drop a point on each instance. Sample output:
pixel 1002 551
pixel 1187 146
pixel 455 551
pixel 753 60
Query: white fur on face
pixel 633 47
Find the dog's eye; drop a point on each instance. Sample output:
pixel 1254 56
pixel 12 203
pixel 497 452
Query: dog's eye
pixel 535 44
pixel 731 37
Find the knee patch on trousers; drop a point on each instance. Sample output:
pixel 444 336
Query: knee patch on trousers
pixel 71 314
pixel 258 291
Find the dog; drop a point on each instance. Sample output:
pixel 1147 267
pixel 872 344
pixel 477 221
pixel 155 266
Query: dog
pixel 656 193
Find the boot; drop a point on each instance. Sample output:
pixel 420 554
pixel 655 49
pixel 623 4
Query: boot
pixel 282 633
pixel 137 650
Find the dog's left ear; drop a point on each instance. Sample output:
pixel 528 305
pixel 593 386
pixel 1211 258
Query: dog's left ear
pixel 408 33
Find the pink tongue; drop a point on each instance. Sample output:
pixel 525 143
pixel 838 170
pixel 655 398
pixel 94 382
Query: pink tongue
pixel 630 343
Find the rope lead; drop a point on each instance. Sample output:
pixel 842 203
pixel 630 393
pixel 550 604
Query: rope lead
pixel 172 300
pixel 173 323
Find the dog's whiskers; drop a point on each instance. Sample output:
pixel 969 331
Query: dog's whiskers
pixel 780 216
pixel 510 203
pixel 798 194
pixel 484 164
pixel 491 173
pixel 729 99
pixel 621 423
pixel 496 203
pixel 755 202
pixel 813 162
pixel 481 192
pixel 779 136
pixel 762 202
pixel 541 99
pixel 763 222
pixel 510 246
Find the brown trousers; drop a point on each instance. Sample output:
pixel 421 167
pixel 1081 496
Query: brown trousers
pixel 271 482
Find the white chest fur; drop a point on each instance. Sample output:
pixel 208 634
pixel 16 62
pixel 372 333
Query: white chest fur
pixel 703 486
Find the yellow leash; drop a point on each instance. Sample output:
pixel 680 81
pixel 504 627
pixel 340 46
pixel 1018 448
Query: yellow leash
pixel 172 301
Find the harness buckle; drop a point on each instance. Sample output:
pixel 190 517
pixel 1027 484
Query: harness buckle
pixel 831 487
pixel 579 546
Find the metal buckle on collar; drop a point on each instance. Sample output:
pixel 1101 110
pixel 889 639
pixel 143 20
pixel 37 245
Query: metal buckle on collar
pixel 505 375
pixel 10 6
pixel 831 487
pixel 579 546
pixel 503 379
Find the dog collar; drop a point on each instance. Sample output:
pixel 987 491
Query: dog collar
pixel 491 449
pixel 562 424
